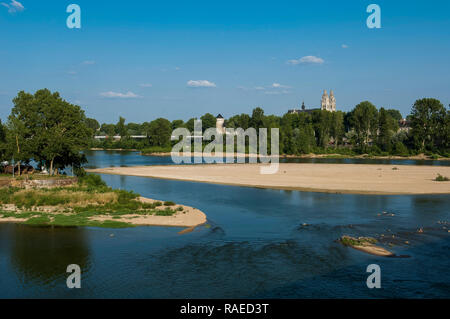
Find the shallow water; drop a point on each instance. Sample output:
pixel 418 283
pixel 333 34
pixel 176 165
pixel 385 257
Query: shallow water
pixel 258 243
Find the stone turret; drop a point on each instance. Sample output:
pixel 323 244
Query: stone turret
pixel 219 124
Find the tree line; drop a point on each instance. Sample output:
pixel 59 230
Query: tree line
pixel 364 130
pixel 52 132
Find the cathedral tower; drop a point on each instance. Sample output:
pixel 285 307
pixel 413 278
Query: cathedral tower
pixel 325 103
pixel 332 102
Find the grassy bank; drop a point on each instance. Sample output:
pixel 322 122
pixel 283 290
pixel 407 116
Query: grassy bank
pixel 89 203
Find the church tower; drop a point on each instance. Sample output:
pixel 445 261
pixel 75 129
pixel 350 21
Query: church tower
pixel 325 103
pixel 332 102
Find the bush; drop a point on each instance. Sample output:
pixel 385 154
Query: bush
pixel 441 178
pixel 79 172
pixel 92 180
pixel 169 203
pixel 400 149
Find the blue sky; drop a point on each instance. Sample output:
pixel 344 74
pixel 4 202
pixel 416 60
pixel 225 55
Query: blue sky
pixel 181 59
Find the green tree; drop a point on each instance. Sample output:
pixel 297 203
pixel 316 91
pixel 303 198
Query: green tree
pixel 208 121
pixel 322 123
pixel 428 122
pixel 190 125
pixel 385 130
pixel 365 123
pixel 160 131
pixel 177 124
pixel 3 144
pixel 121 128
pixel 48 129
pixel 242 121
pixel 337 127
pixel 257 119
pixel 108 129
pixel 92 124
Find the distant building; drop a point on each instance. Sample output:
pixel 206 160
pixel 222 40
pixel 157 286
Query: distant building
pixel 404 125
pixel 328 103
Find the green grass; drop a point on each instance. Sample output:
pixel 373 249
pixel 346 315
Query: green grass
pixel 38 221
pixel 361 241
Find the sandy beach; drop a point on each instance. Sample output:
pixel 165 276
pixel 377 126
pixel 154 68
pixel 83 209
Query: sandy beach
pixel 330 178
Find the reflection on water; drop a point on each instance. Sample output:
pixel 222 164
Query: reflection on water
pixel 41 254
pixel 259 243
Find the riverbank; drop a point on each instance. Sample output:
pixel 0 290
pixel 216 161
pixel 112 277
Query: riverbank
pixel 328 178
pixel 92 203
pixel 419 157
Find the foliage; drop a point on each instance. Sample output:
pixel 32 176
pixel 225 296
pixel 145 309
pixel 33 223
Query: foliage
pixel 47 129
pixel 441 178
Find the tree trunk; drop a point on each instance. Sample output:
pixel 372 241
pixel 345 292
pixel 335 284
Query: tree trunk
pixel 51 167
pixel 18 152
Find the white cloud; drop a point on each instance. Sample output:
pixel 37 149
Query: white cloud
pixel 310 59
pixel 146 85
pixel 13 6
pixel 277 92
pixel 345 46
pixel 200 83
pixel 112 95
pixel 275 87
pixel 88 62
pixel 280 86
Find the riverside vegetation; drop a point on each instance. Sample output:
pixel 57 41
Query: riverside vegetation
pixel 51 131
pixel 364 130
pixel 79 205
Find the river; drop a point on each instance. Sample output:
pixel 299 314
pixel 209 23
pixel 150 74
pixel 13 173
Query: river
pixel 258 243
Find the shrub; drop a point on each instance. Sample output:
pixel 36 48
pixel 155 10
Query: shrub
pixel 400 149
pixel 92 180
pixel 165 212
pixel 441 178
pixel 169 203
pixel 79 172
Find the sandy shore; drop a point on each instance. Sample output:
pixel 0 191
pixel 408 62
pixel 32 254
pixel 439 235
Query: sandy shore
pixel 331 178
